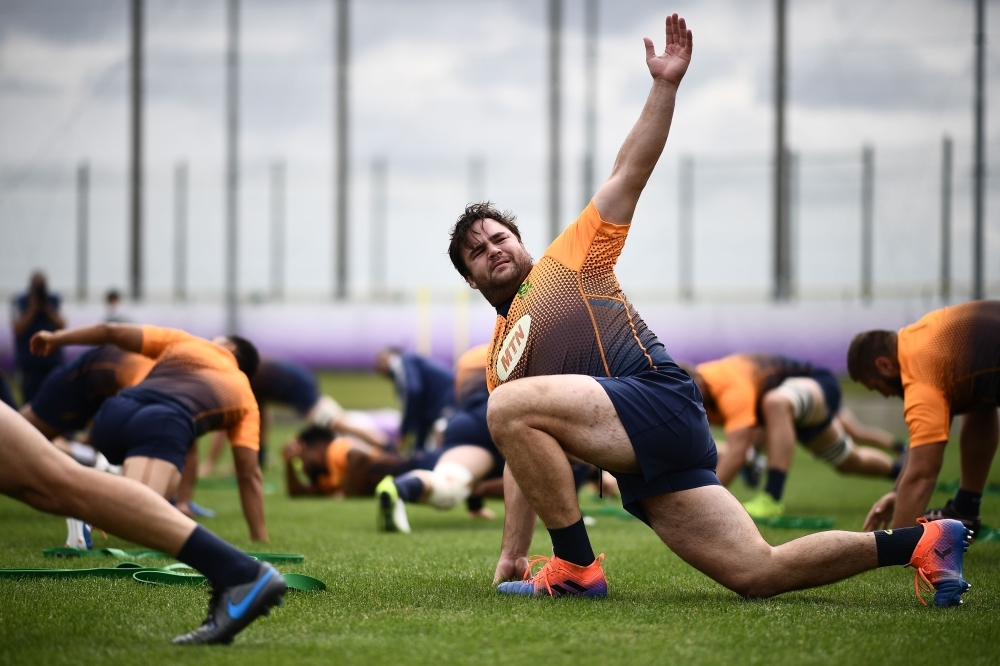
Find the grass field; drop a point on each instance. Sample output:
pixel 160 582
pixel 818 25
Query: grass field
pixel 426 598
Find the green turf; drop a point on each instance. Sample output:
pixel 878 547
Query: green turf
pixel 426 598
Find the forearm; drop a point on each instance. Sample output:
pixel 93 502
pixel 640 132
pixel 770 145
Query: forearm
pixel 126 336
pixel 23 322
pixel 519 519
pixel 295 486
pixel 251 484
pixel 912 499
pixel 733 459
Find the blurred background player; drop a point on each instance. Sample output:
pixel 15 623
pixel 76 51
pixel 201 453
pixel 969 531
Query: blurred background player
pixel 195 386
pixel 782 400
pixel 425 389
pixel 341 466
pixel 34 311
pixel 289 383
pixel 468 458
pixel 113 308
pixel 54 484
pixel 947 363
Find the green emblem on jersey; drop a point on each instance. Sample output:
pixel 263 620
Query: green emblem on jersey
pixel 523 290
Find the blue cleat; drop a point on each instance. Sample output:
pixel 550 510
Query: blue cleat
pixel 231 609
pixel 938 561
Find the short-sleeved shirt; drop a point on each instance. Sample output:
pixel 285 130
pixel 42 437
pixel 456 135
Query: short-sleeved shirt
pixel 205 379
pixel 570 316
pixel 22 345
pixel 286 383
pixel 735 385
pixel 950 364
pixel 109 369
pixel 470 373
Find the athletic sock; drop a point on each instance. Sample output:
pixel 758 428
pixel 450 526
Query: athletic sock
pixel 895 547
pixel 897 467
pixel 775 483
pixel 475 503
pixel 409 487
pixel 572 544
pixel 223 565
pixel 967 502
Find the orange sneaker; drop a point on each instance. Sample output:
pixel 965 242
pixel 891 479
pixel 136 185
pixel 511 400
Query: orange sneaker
pixel 938 561
pixel 558 578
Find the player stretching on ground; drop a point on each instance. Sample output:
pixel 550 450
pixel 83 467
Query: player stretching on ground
pixel 196 386
pixel 425 389
pixel 791 400
pixel 243 589
pixel 575 371
pixel 469 455
pixel 947 363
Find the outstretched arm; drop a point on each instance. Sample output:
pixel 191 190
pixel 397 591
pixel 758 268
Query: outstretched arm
pixel 518 529
pixel 126 336
pixel 617 198
pixel 251 484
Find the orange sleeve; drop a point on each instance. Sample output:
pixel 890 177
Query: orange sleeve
pixel 573 245
pixel 155 339
pixel 738 406
pixel 246 432
pixel 927 414
pixel 336 465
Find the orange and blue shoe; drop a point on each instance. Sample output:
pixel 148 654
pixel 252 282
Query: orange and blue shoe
pixel 938 561
pixel 559 578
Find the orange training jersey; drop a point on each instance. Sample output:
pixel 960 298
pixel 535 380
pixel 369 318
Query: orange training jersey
pixel 570 316
pixel 735 384
pixel 109 369
pixel 470 373
pixel 950 364
pixel 205 379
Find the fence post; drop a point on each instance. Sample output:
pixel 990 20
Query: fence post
pixel 867 219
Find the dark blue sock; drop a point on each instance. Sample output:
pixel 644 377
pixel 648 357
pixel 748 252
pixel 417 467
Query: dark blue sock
pixel 895 547
pixel 967 502
pixel 224 565
pixel 775 483
pixel 573 544
pixel 410 487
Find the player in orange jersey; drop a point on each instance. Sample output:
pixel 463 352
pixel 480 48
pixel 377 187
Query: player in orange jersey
pixel 791 400
pixel 196 386
pixel 574 371
pixel 947 363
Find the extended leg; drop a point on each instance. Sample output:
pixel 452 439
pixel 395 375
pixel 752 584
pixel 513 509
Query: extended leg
pixel 159 475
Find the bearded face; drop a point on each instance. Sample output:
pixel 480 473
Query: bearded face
pixel 496 259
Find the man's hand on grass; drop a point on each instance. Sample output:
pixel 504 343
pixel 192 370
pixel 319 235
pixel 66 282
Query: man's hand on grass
pixel 880 517
pixel 510 568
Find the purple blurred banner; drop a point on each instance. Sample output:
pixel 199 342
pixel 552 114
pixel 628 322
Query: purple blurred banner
pixel 346 336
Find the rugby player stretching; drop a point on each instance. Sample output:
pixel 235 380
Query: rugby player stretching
pixel 575 371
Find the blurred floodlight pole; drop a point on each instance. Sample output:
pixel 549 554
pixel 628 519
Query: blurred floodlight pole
pixel 946 180
pixel 555 114
pixel 591 10
pixel 979 171
pixel 476 183
pixel 792 199
pixel 232 161
pixel 278 229
pixel 780 288
pixel 867 219
pixel 135 153
pixel 379 219
pixel 341 177
pixel 82 229
pixel 686 227
pixel 180 230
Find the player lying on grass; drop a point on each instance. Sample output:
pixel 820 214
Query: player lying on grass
pixel 468 466
pixel 947 363
pixel 575 371
pixel 791 400
pixel 341 466
pixel 195 386
pixel 243 589
pixel 425 390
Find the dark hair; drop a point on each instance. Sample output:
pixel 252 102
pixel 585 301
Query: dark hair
pixel 315 436
pixel 864 349
pixel 113 295
pixel 472 214
pixel 246 355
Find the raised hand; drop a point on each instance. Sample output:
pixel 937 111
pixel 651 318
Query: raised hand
pixel 43 343
pixel 673 63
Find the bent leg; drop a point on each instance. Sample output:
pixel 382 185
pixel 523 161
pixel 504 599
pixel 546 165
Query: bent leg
pixel 709 529
pixel 159 475
pixel 535 422
pixel 836 447
pixel 779 425
pixel 980 433
pixel 30 473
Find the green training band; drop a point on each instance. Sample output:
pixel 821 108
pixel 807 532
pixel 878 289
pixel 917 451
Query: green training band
pixel 139 553
pixel 988 534
pixel 174 574
pixel 794 523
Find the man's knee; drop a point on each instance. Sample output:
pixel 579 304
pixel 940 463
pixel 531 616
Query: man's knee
pixel 503 409
pixel 776 406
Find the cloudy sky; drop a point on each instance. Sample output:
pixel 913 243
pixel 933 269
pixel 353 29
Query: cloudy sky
pixel 436 83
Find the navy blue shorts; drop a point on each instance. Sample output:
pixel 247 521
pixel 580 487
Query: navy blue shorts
pixel 831 393
pixel 467 427
pixel 66 400
pixel 287 384
pixel 128 426
pixel 664 416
